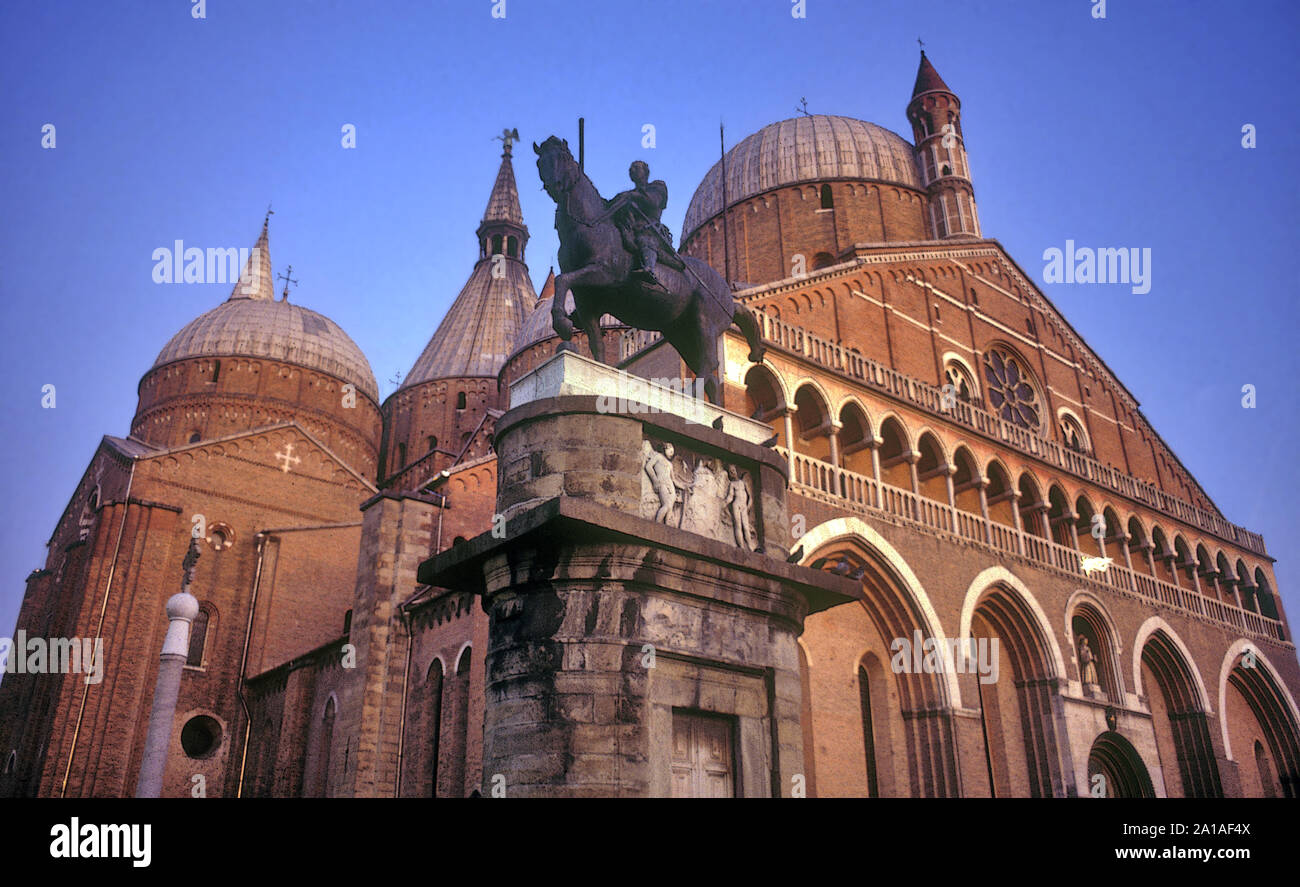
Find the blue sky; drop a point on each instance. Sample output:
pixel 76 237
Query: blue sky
pixel 1121 132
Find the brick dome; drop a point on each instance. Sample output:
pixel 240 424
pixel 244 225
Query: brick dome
pixel 815 148
pixel 274 330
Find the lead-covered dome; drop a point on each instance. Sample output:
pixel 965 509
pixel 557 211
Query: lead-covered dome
pixel 251 327
pixel 814 148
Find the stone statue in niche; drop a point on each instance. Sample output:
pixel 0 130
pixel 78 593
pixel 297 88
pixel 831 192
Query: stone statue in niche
pixel 1087 663
pixel 715 501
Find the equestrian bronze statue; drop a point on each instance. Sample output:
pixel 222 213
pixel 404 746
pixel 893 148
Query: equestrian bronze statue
pixel 616 258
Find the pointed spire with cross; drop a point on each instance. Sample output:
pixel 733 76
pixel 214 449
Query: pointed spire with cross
pixel 803 107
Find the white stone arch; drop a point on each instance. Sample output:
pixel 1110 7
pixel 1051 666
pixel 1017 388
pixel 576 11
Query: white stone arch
pixel 1002 576
pixel 971 376
pixel 1062 413
pixel 856 401
pixel 1013 481
pixel 1147 629
pixel 459 653
pixel 436 657
pixel 855 528
pixel 963 444
pixel 817 386
pixel 1229 659
pixel 766 364
pixel 945 451
pixel 909 439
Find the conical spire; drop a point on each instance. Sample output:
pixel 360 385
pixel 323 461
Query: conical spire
pixel 478 332
pixel 927 78
pixel 548 288
pixel 255 281
pixel 503 204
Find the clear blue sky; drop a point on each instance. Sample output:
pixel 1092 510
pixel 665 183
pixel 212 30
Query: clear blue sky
pixel 1123 132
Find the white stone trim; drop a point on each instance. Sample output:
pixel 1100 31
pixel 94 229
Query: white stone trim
pixel 1150 627
pixel 854 528
pixel 1229 659
pixel 1002 576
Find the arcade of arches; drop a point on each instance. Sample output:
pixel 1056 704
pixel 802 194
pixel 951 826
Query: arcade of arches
pixel 1143 721
pixel 883 462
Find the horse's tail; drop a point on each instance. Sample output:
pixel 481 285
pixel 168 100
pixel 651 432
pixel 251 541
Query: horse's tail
pixel 749 327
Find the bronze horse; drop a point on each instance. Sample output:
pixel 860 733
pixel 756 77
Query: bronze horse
pixel 692 309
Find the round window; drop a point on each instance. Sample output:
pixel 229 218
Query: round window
pixel 201 737
pixel 1010 393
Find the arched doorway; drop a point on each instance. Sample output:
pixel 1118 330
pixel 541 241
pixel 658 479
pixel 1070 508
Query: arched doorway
pixel 1262 732
pixel 877 730
pixel 1018 706
pixel 1178 715
pixel 1116 761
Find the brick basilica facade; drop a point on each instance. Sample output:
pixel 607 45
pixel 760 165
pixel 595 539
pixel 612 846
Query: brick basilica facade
pixel 946 439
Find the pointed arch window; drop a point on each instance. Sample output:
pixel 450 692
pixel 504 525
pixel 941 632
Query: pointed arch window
pixel 512 246
pixel 1072 433
pixel 868 730
pixel 199 637
pixel 956 375
pixel 828 199
pixel 496 244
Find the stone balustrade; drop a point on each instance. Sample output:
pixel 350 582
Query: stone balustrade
pixel 846 489
pixel 849 363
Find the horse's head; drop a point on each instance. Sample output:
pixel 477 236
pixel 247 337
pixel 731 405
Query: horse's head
pixel 554 163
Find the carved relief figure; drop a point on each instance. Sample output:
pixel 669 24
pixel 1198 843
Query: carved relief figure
pixel 659 468
pixel 738 500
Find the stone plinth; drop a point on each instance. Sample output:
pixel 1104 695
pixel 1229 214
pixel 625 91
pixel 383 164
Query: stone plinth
pixel 569 373
pixel 608 629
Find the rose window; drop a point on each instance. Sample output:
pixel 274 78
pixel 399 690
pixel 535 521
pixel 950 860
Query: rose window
pixel 1010 394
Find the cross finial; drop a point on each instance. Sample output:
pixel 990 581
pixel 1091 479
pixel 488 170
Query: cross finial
pixel 803 107
pixel 921 43
pixel 191 560
pixel 507 138
pixel 269 212
pixel 287 277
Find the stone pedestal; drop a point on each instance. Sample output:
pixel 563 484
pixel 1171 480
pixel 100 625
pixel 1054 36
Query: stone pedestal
pixel 620 614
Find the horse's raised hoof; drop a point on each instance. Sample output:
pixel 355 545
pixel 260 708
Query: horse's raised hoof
pixel 756 356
